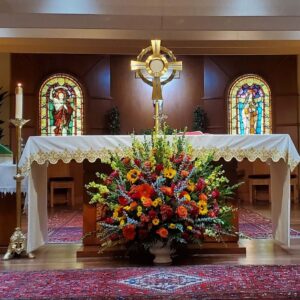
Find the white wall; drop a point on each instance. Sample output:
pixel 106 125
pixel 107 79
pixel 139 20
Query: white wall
pixel 5 83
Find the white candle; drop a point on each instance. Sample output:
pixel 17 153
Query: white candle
pixel 19 102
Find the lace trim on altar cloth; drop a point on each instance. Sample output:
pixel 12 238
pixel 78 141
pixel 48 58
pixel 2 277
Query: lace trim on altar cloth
pixel 251 154
pixel 104 154
pixel 66 156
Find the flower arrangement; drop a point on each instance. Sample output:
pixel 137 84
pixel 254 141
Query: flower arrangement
pixel 158 191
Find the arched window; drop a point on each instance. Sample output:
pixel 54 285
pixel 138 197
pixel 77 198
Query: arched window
pixel 249 106
pixel 61 106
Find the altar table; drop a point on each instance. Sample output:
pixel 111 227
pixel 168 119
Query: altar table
pixel 278 149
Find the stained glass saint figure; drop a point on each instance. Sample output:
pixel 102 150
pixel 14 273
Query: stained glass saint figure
pixel 61 106
pixel 249 106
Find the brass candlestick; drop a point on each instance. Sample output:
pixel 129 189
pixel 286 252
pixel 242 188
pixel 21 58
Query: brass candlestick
pixel 18 240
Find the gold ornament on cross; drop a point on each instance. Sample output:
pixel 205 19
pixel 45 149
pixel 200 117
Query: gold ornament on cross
pixel 151 68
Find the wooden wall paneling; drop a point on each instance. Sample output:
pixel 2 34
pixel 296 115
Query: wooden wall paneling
pixel 286 112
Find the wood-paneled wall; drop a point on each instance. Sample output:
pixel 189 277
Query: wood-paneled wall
pixel 107 81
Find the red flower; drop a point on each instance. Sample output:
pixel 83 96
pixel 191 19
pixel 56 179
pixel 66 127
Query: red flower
pixel 194 208
pixel 129 232
pixel 109 220
pixel 145 219
pixel 167 190
pixel 159 168
pixel 123 201
pixel 137 162
pixel 162 232
pixel 215 194
pixel 114 174
pixel 178 160
pixel 153 176
pixel 166 211
pixel 200 184
pixel 152 214
pixel 211 214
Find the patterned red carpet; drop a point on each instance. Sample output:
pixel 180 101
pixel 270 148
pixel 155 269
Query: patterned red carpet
pixel 65 226
pixel 188 282
pixel 256 226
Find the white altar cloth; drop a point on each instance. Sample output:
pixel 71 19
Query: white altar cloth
pixel 278 149
pixel 7 182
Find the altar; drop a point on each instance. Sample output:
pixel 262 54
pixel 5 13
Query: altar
pixel 276 149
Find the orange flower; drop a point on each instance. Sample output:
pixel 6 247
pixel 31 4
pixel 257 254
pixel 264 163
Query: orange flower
pixel 133 205
pixel 162 232
pixel 133 175
pixel 181 211
pixel 167 190
pixel 141 190
pixel 202 197
pixel 129 232
pixel 147 202
pixel 184 173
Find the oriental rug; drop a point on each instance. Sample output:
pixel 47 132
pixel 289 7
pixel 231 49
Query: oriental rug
pixel 65 226
pixel 255 226
pixel 161 283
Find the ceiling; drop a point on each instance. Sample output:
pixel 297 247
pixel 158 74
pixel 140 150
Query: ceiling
pixel 124 27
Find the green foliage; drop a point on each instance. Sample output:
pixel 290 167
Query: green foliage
pixel 113 120
pixel 3 95
pixel 200 119
pixel 166 130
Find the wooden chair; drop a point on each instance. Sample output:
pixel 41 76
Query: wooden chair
pixel 265 180
pixel 66 183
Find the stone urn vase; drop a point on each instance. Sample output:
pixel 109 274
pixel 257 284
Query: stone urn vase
pixel 162 253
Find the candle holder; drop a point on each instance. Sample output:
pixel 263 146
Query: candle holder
pixel 18 240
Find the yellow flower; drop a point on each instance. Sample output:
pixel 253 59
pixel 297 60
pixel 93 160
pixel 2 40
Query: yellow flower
pixel 115 214
pixel 133 175
pixel 172 226
pixel 155 203
pixel 202 207
pixel 169 173
pixel 191 186
pixel 155 221
pixel 122 222
pixel 139 208
pixel 189 228
pixel 127 207
pixel 158 200
pixel 139 213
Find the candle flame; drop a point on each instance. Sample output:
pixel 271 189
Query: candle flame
pixel 19 84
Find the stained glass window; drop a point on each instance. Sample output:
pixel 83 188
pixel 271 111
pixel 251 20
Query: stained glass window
pixel 61 106
pixel 249 106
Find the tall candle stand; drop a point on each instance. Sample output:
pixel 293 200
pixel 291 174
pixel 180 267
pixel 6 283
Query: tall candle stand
pixel 18 240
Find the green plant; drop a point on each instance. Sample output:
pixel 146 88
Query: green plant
pixel 200 119
pixel 113 120
pixel 2 97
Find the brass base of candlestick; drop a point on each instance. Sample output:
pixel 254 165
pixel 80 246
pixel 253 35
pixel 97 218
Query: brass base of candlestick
pixel 17 246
